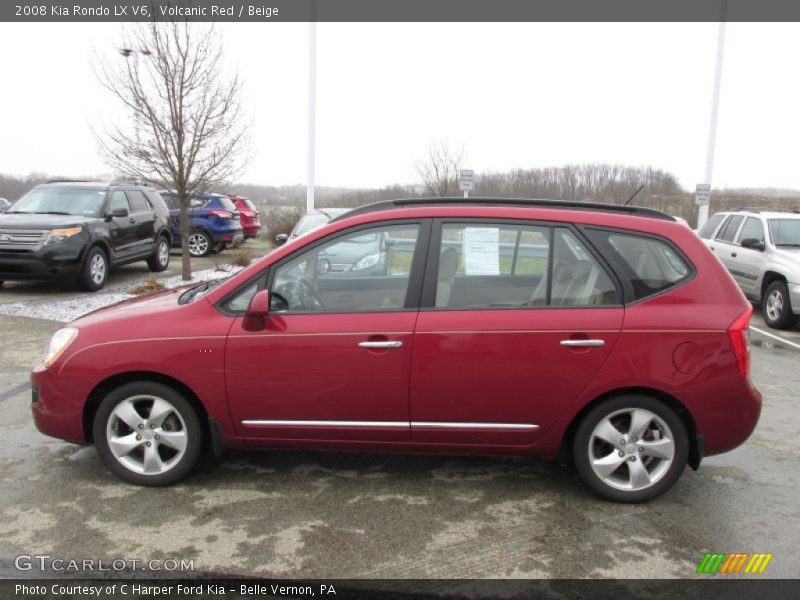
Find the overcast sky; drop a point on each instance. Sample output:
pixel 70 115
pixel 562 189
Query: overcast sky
pixel 511 95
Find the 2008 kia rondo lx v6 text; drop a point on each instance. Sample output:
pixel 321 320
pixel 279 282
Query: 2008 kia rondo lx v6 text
pixel 517 327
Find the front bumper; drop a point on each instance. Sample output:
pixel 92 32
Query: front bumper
pixel 55 406
pixel 794 297
pixel 48 262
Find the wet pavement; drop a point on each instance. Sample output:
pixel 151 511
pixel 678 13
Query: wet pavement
pixel 392 516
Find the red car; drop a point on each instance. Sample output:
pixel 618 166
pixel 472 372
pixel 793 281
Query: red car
pixel 249 215
pixel 606 333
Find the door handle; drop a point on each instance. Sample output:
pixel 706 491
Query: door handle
pixel 733 254
pixel 131 221
pixel 387 344
pixel 583 343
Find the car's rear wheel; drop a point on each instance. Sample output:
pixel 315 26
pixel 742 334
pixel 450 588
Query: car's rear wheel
pixel 147 433
pixel 94 274
pixel 630 448
pixel 776 306
pixel 199 244
pixel 159 261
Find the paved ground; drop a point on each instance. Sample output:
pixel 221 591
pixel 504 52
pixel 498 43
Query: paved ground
pixel 340 515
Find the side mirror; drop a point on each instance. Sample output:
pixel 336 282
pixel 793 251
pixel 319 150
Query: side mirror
pixel 754 244
pixel 257 311
pixel 282 238
pixel 117 213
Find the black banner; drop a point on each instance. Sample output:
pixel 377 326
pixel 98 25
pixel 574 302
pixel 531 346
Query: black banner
pixel 240 589
pixel 399 10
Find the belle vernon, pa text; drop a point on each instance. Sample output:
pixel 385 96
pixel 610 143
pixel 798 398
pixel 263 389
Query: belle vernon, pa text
pixel 136 589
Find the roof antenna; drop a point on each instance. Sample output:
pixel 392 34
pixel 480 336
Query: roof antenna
pixel 628 201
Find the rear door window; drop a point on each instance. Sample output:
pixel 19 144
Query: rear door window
pixel 508 266
pixel 138 201
pixel 728 231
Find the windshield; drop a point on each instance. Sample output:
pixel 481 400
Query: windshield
pixel 310 223
pixel 61 201
pixel 785 232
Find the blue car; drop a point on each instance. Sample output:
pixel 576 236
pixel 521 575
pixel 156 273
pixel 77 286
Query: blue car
pixel 214 221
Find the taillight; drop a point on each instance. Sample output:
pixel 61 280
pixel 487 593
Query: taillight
pixel 739 332
pixel 222 214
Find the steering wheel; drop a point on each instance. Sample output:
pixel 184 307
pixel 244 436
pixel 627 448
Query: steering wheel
pixel 308 296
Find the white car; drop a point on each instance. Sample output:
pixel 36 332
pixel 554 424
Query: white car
pixel 761 249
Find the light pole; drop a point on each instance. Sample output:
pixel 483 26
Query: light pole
pixel 312 112
pixel 702 214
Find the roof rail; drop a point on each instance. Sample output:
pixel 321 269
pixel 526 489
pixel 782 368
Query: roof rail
pixel 566 204
pixel 127 182
pixel 70 181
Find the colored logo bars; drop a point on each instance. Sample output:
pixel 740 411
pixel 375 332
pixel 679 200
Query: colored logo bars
pixel 741 562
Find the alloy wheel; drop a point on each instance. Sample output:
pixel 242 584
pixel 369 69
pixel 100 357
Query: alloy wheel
pixel 146 434
pixel 631 449
pixel 97 269
pixel 198 244
pixel 775 305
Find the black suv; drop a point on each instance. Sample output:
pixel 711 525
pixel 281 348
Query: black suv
pixel 78 229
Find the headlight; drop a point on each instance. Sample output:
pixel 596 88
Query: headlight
pixel 58 343
pixel 59 235
pixel 370 260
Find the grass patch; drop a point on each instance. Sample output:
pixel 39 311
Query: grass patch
pixel 241 258
pixel 150 286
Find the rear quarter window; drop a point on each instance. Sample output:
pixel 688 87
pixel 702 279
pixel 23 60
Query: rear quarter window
pixel 651 265
pixel 710 227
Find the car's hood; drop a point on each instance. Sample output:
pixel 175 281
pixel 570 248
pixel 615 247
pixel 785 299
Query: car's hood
pixel 27 221
pixel 134 307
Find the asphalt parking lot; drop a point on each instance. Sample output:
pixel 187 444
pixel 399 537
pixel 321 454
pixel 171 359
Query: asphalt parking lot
pixel 388 516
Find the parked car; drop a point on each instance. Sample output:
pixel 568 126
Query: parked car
pixel 250 216
pixel 4 204
pixel 80 229
pixel 214 220
pixel 310 221
pixel 761 249
pixel 616 338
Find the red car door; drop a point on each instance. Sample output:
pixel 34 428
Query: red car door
pixel 502 352
pixel 334 359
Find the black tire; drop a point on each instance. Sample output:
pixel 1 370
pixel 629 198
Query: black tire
pixel 776 306
pixel 91 279
pixel 665 473
pixel 200 244
pixel 159 261
pixel 182 419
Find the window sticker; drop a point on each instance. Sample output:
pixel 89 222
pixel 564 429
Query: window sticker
pixel 481 251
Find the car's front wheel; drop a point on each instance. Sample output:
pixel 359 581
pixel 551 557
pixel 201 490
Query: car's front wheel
pixel 777 307
pixel 159 261
pixel 147 433
pixel 630 448
pixel 95 270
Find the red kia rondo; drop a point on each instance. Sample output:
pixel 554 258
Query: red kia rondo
pixel 513 327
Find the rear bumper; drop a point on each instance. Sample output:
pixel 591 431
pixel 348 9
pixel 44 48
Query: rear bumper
pixel 732 421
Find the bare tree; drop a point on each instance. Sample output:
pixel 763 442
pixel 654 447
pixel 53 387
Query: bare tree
pixel 189 132
pixel 439 172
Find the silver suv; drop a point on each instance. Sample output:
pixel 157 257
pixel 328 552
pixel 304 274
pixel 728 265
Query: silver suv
pixel 761 249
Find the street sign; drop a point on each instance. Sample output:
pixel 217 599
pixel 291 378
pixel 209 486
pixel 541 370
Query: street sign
pixel 466 180
pixel 702 194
